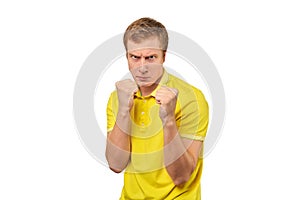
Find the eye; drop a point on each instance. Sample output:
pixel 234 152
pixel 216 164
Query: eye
pixel 134 57
pixel 151 57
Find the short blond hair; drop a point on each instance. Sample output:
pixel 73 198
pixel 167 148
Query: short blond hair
pixel 145 28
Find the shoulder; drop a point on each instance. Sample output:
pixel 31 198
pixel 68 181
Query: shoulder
pixel 184 88
pixel 113 95
pixel 113 99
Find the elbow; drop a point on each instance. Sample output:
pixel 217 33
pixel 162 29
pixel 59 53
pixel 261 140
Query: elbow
pixel 180 181
pixel 117 167
pixel 115 170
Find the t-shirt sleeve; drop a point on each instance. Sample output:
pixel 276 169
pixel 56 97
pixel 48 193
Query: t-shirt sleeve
pixel 111 111
pixel 194 116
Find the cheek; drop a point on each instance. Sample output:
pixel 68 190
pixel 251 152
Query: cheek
pixel 133 69
pixel 156 70
pixel 159 72
pixel 132 65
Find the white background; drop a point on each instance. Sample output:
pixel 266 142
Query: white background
pixel 255 46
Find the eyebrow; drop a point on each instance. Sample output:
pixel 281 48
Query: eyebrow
pixel 131 54
pixel 154 54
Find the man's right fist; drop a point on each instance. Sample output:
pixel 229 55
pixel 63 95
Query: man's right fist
pixel 126 90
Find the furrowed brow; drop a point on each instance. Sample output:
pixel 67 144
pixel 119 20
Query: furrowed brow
pixel 131 54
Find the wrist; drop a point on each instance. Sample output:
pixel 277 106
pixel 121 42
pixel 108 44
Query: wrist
pixel 123 121
pixel 124 111
pixel 169 121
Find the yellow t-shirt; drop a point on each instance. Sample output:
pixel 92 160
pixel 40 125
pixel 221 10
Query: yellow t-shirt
pixel 146 176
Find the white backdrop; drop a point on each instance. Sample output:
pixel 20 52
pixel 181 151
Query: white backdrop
pixel 255 46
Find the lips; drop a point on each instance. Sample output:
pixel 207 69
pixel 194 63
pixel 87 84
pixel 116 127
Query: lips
pixel 141 78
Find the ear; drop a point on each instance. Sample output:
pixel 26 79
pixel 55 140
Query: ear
pixel 164 55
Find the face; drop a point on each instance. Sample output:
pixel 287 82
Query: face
pixel 145 61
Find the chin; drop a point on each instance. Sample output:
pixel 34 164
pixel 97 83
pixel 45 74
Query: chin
pixel 145 84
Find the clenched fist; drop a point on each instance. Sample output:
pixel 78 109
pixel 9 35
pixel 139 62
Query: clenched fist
pixel 167 98
pixel 126 90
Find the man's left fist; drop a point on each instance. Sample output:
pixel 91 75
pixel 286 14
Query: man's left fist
pixel 167 98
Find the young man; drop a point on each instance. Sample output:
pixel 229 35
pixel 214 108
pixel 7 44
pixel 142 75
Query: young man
pixel 156 123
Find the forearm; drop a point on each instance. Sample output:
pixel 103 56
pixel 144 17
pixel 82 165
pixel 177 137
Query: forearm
pixel 118 144
pixel 178 161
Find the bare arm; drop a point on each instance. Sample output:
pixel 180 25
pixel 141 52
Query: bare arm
pixel 181 155
pixel 118 149
pixel 118 144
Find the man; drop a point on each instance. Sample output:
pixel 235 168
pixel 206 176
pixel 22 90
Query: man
pixel 156 123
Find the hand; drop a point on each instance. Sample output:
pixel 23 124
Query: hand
pixel 167 98
pixel 126 90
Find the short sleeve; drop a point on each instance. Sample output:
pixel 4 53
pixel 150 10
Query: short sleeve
pixel 111 111
pixel 194 115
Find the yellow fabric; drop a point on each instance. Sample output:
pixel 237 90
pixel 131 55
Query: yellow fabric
pixel 145 176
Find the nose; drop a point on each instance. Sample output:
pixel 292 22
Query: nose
pixel 143 68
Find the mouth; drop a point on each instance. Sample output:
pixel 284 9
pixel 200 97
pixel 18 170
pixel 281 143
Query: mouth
pixel 142 78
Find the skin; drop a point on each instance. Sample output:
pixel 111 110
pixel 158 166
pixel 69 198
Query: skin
pixel 145 61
